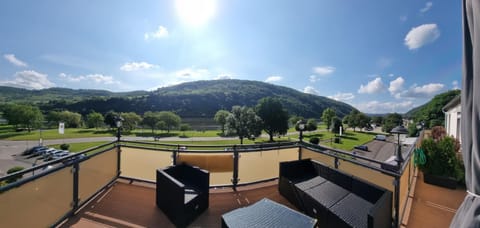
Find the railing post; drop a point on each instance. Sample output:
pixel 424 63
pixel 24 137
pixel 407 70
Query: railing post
pixel 119 153
pixel 396 184
pixel 174 156
pixel 235 168
pixel 336 163
pixel 300 151
pixel 75 169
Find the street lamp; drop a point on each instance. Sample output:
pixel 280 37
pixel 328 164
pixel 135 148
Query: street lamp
pixel 118 123
pixel 301 127
pixel 399 130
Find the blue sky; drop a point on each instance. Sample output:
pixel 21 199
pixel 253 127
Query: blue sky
pixel 377 55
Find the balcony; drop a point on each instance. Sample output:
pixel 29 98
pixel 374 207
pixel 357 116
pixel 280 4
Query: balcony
pixel 113 185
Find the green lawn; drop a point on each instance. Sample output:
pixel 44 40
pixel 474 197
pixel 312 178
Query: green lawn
pixel 8 133
pixel 349 139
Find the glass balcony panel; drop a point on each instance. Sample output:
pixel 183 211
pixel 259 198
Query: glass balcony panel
pixel 325 159
pixel 220 165
pixel 143 163
pixel 367 174
pixel 96 172
pixel 38 203
pixel 257 166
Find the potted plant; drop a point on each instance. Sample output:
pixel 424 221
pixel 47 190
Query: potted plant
pixel 442 167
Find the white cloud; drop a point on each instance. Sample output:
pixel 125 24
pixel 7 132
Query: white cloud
pixel 425 91
pixel 310 90
pixel 135 66
pixel 396 86
pixel 391 75
pixel 403 18
pixel 323 70
pixel 101 79
pixel 13 60
pixel 427 7
pixel 161 32
pixel 274 78
pixel 455 85
pixel 374 86
pixel 29 79
pixel 421 35
pixel 96 78
pixel 385 107
pixel 342 96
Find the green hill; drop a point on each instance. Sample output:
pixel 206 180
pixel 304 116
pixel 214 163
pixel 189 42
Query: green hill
pixel 200 99
pixel 431 112
pixel 18 95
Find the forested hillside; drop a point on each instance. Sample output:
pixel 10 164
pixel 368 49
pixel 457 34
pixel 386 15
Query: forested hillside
pixel 193 99
pixel 431 112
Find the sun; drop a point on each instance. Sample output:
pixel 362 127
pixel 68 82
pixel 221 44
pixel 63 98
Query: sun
pixel 195 12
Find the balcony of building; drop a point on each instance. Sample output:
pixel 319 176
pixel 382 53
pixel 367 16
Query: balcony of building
pixel 114 185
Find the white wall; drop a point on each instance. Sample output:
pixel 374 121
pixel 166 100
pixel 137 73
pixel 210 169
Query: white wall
pixel 452 122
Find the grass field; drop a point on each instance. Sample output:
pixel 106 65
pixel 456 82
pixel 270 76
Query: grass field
pixel 348 141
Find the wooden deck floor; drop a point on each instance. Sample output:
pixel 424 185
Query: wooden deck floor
pixel 132 205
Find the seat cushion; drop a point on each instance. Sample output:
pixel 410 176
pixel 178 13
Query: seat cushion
pixel 353 210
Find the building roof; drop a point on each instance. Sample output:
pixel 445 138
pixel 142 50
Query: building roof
pixel 453 103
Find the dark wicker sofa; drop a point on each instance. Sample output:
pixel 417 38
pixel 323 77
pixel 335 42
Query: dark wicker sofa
pixel 182 193
pixel 335 198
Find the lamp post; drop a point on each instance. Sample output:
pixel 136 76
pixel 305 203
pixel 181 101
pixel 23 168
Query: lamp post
pixel 118 123
pixel 399 130
pixel 301 127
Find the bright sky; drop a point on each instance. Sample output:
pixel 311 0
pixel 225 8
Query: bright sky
pixel 377 55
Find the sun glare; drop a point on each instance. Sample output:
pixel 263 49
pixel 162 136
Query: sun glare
pixel 195 12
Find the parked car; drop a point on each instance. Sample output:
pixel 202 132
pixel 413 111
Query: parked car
pixel 33 149
pixel 362 147
pixel 380 137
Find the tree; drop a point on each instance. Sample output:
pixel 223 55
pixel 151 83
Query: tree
pixel 390 121
pixel 151 119
pixel 221 118
pixel 311 125
pixel 352 119
pixel 244 123
pixel 25 115
pixel 274 117
pixel 293 120
pixel 184 127
pixel 363 120
pixel 171 120
pixel 377 120
pixel 109 119
pixel 71 119
pixel 327 116
pixel 95 119
pixel 130 120
pixel 336 124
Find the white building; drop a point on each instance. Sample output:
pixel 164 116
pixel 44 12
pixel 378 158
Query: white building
pixel 452 112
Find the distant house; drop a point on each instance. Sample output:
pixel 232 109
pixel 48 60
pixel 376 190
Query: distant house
pixel 452 112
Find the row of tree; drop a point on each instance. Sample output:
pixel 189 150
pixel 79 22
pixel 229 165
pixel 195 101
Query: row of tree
pixel 30 117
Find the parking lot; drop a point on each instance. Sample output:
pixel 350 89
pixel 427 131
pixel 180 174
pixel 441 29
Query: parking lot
pixel 380 150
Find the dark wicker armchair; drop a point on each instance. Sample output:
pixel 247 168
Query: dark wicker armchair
pixel 182 193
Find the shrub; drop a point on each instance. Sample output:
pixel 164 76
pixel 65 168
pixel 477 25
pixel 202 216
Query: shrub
pixel 13 170
pixel 64 146
pixel 314 140
pixel 441 159
pixel 438 133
